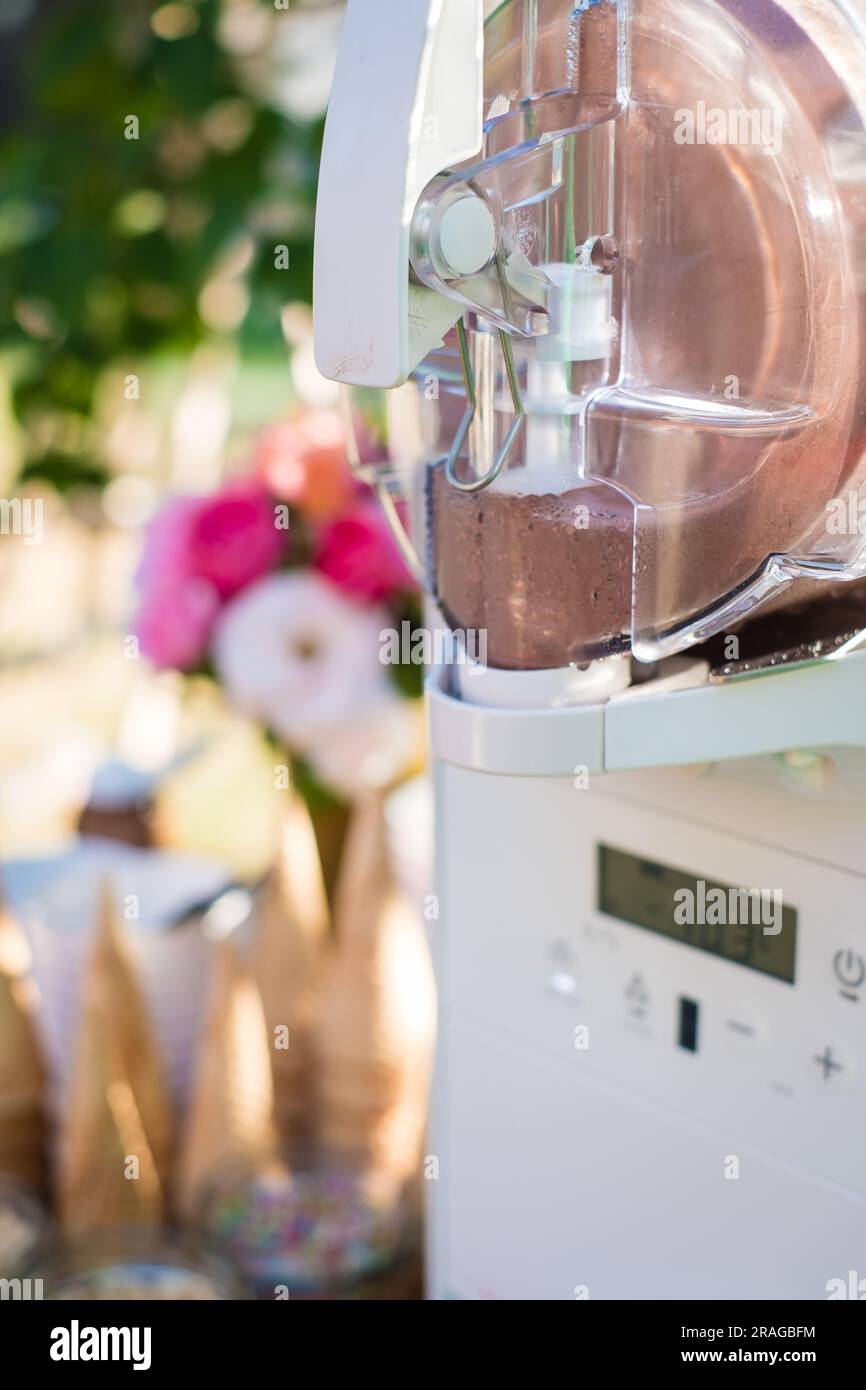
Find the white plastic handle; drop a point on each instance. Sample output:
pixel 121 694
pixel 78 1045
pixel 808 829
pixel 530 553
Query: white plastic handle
pixel 406 104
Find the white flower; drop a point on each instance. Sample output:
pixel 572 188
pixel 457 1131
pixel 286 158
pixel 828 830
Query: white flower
pixel 298 656
pixel 374 749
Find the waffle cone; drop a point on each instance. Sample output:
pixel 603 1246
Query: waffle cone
pixel 229 1128
pixel 22 1137
pixel 115 1143
pixel 286 965
pixel 375 1034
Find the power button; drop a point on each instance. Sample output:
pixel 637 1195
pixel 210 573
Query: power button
pixel 850 970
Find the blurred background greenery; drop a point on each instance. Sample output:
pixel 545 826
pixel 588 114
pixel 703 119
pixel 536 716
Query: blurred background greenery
pixel 158 167
pixel 157 177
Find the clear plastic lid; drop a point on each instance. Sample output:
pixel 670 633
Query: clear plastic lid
pixel 652 416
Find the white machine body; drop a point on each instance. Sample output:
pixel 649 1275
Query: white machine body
pixel 630 398
pixel 620 1114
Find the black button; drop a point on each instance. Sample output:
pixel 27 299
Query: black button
pixel 688 1025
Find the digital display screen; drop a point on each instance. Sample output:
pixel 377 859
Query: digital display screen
pixel 748 926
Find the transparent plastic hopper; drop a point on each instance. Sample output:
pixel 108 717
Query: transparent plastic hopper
pixel 594 279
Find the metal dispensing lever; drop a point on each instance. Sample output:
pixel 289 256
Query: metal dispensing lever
pixel 403 245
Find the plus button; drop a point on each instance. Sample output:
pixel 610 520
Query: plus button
pixel 826 1060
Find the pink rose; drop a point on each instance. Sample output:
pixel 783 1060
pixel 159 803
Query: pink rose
pixel 234 539
pixel 165 560
pixel 199 552
pixel 174 624
pixel 358 553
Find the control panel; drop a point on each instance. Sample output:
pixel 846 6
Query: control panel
pixel 719 975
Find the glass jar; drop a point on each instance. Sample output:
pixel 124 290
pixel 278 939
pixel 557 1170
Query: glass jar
pixel 326 1232
pixel 23 1225
pixel 136 1266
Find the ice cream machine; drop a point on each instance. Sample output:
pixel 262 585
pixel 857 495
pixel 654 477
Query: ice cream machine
pixel 593 277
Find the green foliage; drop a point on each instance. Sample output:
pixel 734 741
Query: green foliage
pixel 409 677
pixel 106 242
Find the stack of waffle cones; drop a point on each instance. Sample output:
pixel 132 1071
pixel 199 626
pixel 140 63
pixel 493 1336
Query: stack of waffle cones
pixel 286 964
pixel 229 1130
pixel 375 1031
pixel 115 1145
pixel 22 1139
pixel 357 1013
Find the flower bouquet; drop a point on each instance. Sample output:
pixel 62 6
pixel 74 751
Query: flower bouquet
pixel 285 586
